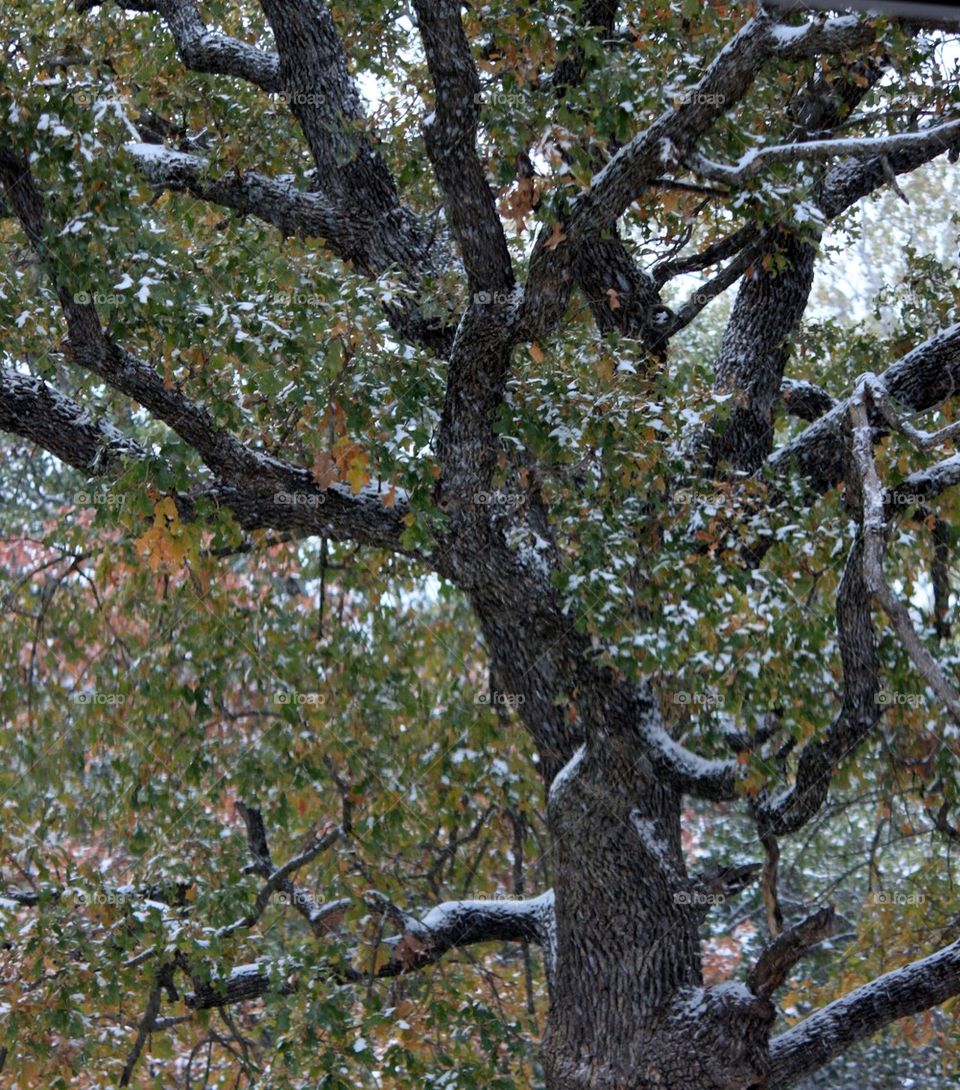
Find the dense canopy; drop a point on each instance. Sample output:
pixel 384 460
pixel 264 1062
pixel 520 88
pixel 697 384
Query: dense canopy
pixel 478 543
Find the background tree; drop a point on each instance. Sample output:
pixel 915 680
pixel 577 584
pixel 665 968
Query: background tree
pixel 351 438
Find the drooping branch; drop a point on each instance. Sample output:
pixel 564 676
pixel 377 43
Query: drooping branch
pixel 782 812
pixel 861 1013
pixel 875 531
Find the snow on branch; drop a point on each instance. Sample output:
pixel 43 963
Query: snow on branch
pixel 35 411
pixel 875 529
pixel 937 137
pixel 666 143
pixel 805 399
pixel 861 1013
pixel 262 491
pixel 205 50
pixel 424 941
pixel 921 380
pixel 450 134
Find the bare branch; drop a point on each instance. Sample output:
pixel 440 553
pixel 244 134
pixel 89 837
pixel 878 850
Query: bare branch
pixel 710 255
pixel 143 1031
pixel 317 915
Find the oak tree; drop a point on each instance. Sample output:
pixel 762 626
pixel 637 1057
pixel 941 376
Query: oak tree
pixel 385 502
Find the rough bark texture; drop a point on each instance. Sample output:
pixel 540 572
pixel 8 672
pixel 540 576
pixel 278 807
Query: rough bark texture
pixel 628 1010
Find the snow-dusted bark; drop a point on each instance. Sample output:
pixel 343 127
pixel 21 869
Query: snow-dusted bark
pixel 830 1031
pixel 620 929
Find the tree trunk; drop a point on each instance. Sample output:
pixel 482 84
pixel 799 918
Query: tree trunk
pixel 628 1010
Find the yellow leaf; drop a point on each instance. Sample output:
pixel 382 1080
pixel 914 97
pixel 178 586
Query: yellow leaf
pixel 537 353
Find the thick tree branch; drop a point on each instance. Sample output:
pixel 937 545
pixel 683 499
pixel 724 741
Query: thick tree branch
pixel 919 381
pixel 374 246
pixel 861 1013
pixel 666 143
pixel 35 411
pixel 785 811
pixel 206 50
pixel 459 923
pixel 256 486
pixel 450 134
pixel 932 141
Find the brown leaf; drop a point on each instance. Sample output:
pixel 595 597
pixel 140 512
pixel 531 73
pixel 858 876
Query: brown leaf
pixel 557 235
pixel 324 469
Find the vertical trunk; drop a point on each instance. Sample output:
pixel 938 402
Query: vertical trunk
pixel 627 1007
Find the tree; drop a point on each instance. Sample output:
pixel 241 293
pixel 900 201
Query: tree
pixel 278 334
